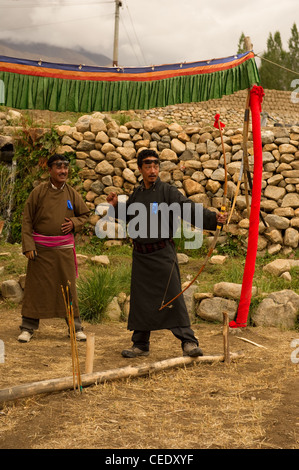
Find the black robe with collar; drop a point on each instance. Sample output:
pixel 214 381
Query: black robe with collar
pixel 151 271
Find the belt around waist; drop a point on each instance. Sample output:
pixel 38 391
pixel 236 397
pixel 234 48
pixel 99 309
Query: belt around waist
pixel 151 247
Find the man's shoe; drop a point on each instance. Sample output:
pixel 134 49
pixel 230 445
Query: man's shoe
pixel 25 336
pixel 134 352
pixel 80 336
pixel 192 350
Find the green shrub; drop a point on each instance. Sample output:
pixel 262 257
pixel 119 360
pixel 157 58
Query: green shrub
pixel 97 288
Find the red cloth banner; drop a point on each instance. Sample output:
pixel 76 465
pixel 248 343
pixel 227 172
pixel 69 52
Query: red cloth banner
pixel 216 123
pixel 256 98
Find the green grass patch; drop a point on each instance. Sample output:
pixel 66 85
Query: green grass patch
pixel 98 287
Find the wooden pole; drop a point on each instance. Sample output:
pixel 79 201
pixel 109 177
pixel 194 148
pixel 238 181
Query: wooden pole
pixel 247 43
pixel 251 342
pixel 224 157
pixel 68 317
pixel 71 322
pixel 235 199
pixel 116 33
pixel 71 339
pixel 75 347
pixel 89 353
pixel 248 46
pixel 244 171
pixel 66 383
pixel 225 337
pixel 245 151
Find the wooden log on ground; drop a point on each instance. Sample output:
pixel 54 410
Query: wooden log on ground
pixel 66 383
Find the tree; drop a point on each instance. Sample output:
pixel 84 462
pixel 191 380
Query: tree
pixel 271 76
pixel 293 55
pixel 280 76
pixel 294 47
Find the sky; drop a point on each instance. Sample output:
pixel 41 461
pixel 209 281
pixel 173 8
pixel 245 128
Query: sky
pixel 151 32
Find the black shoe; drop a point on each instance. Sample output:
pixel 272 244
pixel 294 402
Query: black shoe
pixel 134 352
pixel 192 350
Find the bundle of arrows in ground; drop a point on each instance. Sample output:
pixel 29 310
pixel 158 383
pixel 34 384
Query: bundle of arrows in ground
pixel 67 296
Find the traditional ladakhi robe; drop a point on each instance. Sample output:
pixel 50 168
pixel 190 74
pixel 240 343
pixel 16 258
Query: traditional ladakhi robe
pixel 44 213
pixel 151 269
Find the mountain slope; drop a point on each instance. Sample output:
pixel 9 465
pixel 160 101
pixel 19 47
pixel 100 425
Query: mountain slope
pixel 48 53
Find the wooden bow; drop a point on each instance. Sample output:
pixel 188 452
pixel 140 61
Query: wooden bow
pixel 218 125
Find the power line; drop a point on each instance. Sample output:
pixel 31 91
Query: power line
pixel 129 38
pixel 133 48
pixel 144 60
pixel 55 23
pixel 277 65
pixel 38 5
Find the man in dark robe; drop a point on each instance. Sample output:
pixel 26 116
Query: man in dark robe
pixel 155 268
pixel 54 211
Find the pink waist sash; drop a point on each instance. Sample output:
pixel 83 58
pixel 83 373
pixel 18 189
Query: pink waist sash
pixel 59 241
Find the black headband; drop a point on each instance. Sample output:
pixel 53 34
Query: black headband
pixel 55 158
pixel 150 160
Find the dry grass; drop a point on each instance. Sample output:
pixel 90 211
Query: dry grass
pixel 200 406
pixel 252 403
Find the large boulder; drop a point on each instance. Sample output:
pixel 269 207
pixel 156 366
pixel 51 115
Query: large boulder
pixel 11 290
pixel 212 309
pixel 279 309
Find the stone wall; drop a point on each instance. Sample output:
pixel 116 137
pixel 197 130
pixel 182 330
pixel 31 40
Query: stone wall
pixel 279 107
pixel 191 159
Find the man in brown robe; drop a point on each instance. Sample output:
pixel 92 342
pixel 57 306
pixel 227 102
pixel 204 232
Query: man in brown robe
pixel 52 213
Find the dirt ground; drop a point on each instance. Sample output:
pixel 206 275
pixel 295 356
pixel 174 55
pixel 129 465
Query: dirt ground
pixel 252 403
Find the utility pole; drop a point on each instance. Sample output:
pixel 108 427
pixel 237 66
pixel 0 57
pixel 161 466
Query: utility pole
pixel 247 44
pixel 116 30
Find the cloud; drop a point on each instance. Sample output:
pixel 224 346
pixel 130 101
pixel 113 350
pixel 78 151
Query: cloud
pixel 150 32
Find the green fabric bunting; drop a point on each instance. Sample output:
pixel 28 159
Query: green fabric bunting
pixel 56 94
